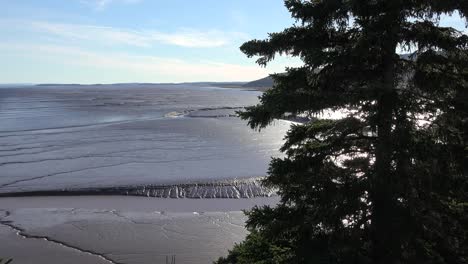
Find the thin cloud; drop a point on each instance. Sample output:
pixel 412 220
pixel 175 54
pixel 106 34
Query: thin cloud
pixel 141 67
pixel 141 38
pixel 102 4
pixel 103 35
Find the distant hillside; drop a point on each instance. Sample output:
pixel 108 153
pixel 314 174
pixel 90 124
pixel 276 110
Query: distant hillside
pixel 201 84
pixel 261 84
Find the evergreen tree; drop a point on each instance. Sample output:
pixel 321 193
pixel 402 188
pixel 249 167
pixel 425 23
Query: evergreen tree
pixel 388 181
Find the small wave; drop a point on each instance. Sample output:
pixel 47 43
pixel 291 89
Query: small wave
pixel 231 189
pixel 175 114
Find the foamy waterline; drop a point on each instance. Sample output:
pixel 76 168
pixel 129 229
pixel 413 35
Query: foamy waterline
pixel 227 189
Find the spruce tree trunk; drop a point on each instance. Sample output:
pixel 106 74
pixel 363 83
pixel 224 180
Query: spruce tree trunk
pixel 385 243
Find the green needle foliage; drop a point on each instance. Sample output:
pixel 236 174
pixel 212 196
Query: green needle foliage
pixel 387 182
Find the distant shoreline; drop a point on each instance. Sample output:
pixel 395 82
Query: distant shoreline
pixel 226 84
pixel 213 85
pixel 257 85
pixel 234 85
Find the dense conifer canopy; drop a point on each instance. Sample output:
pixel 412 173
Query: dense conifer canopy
pixel 387 182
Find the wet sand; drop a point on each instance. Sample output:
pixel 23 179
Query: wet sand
pixel 118 229
pixel 173 141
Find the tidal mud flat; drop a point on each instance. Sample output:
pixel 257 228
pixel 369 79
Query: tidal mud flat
pixel 162 141
pixel 118 229
pixel 128 174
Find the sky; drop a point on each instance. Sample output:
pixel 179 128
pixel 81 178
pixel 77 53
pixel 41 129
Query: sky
pixel 116 41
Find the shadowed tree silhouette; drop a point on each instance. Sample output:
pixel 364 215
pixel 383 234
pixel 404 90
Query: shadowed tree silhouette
pixel 387 181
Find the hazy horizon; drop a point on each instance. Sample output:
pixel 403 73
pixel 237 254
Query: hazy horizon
pixel 152 83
